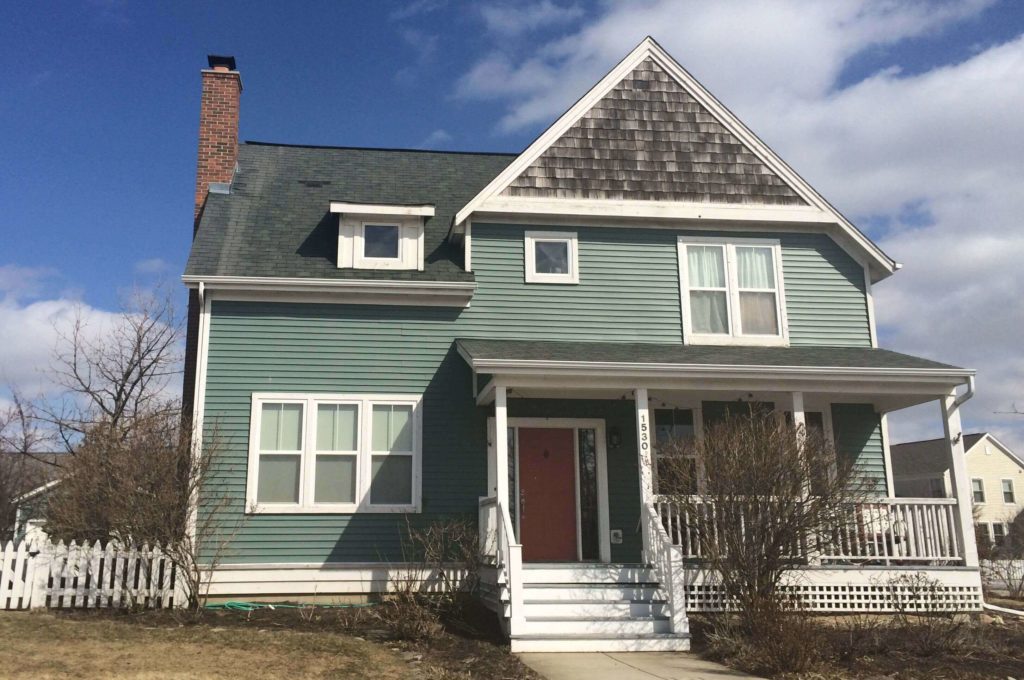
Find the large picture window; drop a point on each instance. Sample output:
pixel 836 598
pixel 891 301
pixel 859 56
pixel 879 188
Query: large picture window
pixel 732 291
pixel 334 453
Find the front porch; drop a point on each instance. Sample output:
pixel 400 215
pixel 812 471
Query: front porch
pixel 586 555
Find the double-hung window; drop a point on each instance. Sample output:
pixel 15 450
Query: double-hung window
pixel 334 453
pixel 732 291
pixel 1008 495
pixel 978 490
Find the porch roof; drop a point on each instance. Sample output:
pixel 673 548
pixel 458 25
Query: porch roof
pixel 893 380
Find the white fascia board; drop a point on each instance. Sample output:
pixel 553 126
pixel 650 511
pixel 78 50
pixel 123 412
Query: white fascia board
pixel 1003 447
pixel 36 491
pixel 424 210
pixel 350 291
pixel 883 264
pixel 652 210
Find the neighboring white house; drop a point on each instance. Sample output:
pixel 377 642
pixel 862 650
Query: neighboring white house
pixel 997 478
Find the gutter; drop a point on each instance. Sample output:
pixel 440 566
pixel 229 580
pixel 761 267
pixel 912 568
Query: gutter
pixel 960 400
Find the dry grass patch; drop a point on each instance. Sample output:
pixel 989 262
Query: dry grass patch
pixel 44 645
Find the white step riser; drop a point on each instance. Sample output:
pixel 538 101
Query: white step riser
pixel 611 645
pixel 598 627
pixel 621 592
pixel 588 575
pixel 595 609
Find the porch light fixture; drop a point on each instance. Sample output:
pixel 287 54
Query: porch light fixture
pixel 614 437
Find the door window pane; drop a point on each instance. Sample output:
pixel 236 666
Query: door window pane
pixel 380 240
pixel 551 257
pixel 757 314
pixel 589 536
pixel 392 427
pixel 281 427
pixel 335 479
pixel 391 480
pixel 278 478
pixel 709 311
pixel 337 427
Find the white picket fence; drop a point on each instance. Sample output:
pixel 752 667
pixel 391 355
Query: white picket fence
pixel 34 576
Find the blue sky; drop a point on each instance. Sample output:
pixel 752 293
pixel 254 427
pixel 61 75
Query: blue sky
pixel 99 104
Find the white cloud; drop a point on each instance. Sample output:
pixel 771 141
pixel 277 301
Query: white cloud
pixel 17 282
pixel 436 138
pixel 513 19
pixel 152 266
pixel 417 8
pixel 935 156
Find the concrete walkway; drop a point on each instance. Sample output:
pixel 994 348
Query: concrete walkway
pixel 627 666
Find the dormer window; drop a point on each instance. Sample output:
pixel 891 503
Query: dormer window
pixel 380 236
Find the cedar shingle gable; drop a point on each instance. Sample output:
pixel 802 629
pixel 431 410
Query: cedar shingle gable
pixel 650 139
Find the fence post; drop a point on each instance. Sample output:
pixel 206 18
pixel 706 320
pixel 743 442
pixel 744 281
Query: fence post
pixel 40 576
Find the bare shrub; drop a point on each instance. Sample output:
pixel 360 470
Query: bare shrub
pixel 770 496
pixel 21 468
pixel 795 643
pixel 1003 565
pixel 440 571
pixel 924 617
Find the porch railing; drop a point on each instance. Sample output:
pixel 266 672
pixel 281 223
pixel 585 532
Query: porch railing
pixel 498 542
pixel 887 531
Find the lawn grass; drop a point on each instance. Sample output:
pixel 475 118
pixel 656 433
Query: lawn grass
pixel 272 644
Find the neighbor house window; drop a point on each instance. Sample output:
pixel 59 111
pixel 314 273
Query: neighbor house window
pixel 334 453
pixel 551 257
pixel 732 291
pixel 1008 495
pixel 978 490
pixel 998 533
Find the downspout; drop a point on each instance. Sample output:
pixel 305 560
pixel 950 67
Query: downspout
pixel 959 401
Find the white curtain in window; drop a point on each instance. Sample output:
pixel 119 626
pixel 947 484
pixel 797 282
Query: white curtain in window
pixel 755 268
pixel 706 265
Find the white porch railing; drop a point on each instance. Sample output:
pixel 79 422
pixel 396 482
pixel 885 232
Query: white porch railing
pixel 888 532
pixel 667 562
pixel 498 541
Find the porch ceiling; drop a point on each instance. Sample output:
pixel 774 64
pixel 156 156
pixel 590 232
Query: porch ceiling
pixel 540 368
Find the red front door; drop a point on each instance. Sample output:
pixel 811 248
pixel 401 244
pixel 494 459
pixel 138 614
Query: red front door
pixel 547 494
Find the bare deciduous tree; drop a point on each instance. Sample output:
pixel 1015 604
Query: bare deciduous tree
pixel 769 496
pixel 21 468
pixel 115 375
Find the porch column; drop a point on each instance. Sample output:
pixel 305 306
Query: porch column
pixel 645 463
pixel 959 480
pixel 501 444
pixel 799 417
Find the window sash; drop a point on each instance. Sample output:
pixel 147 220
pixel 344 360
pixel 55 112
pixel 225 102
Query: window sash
pixel 311 453
pixel 530 242
pixel 978 490
pixel 1008 491
pixel 734 292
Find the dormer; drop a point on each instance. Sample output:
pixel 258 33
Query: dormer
pixel 379 236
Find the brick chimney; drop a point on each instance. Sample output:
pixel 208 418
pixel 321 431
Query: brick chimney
pixel 218 127
pixel 218 153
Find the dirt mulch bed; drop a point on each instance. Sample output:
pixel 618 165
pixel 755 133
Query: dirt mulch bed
pixel 280 643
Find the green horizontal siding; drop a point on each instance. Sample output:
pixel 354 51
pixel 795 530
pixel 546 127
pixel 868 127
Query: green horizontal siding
pixel 628 292
pixel 857 429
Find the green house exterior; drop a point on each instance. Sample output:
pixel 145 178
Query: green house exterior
pixel 370 324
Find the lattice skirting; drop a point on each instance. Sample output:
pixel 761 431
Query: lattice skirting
pixel 860 590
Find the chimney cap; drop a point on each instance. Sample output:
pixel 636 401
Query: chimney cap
pixel 223 61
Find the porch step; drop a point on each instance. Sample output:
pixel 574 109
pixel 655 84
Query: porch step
pixel 599 592
pixel 639 607
pixel 603 625
pixel 587 573
pixel 602 643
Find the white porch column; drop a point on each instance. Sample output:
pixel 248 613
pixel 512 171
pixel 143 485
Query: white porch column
pixel 959 480
pixel 501 445
pixel 645 463
pixel 799 417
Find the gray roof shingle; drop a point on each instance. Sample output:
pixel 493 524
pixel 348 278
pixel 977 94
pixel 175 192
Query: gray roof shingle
pixel 925 457
pixel 276 222
pixel 640 353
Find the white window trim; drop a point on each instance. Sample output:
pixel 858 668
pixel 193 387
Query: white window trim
pixel 1013 491
pixel 984 495
pixel 364 455
pixel 734 336
pixel 351 242
pixel 567 237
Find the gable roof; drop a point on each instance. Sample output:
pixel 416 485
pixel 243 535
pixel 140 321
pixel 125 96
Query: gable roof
pixel 276 220
pixel 928 457
pixel 648 136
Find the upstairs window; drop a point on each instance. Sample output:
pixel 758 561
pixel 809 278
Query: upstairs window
pixel 380 236
pixel 551 257
pixel 978 490
pixel 1008 495
pixel 334 453
pixel 732 292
